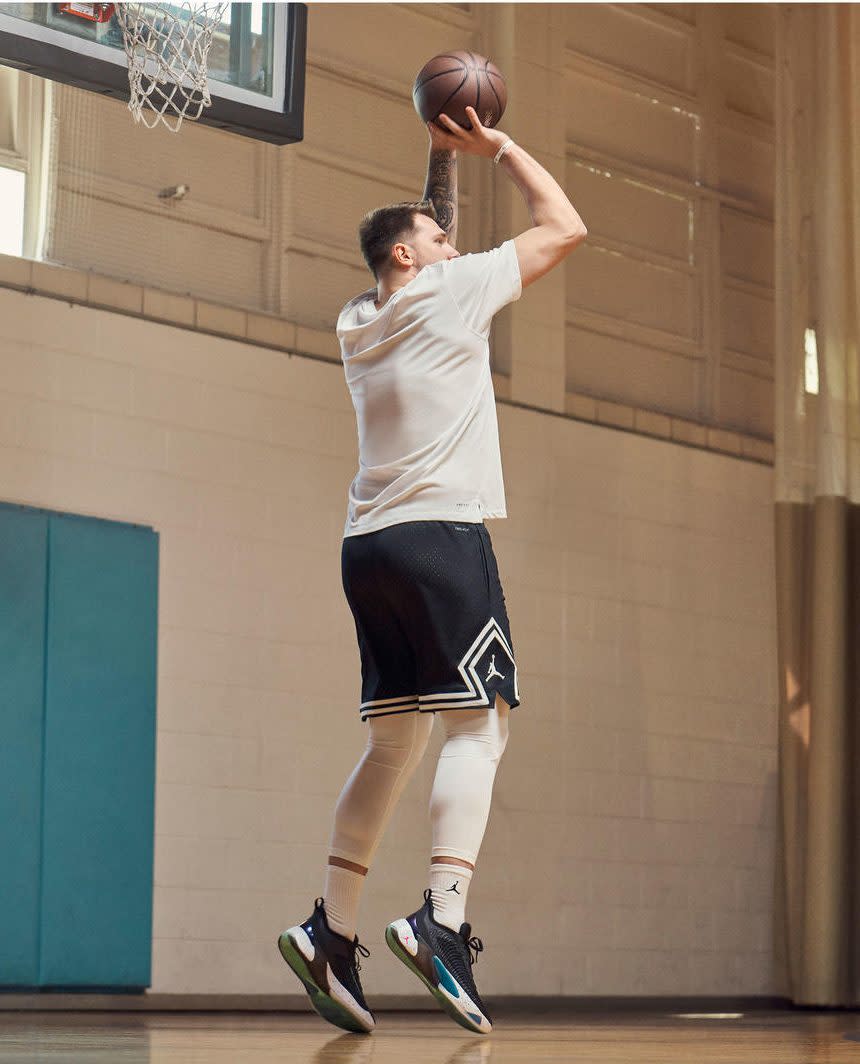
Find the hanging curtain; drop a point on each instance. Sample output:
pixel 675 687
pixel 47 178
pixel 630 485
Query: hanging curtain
pixel 817 505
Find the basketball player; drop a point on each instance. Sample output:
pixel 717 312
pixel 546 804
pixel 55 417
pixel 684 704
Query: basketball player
pixel 418 567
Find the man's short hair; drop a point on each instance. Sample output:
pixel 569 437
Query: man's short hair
pixel 381 229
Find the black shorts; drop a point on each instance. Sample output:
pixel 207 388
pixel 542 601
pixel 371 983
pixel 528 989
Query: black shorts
pixel 430 618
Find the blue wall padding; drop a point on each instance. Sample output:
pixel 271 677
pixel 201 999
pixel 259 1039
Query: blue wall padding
pixel 99 755
pixel 23 558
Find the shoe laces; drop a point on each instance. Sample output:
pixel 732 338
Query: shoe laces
pixel 474 946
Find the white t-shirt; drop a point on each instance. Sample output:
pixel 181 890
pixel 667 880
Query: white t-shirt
pixel 418 371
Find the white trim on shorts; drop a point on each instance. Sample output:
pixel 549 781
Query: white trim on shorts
pixel 376 707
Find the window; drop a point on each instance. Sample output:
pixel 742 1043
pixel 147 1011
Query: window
pixel 811 364
pixel 12 190
pixel 25 153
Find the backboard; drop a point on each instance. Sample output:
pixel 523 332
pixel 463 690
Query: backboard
pixel 256 63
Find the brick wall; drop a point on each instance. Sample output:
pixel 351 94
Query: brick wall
pixel 630 846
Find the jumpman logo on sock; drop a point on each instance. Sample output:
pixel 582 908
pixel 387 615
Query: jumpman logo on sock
pixel 493 670
pixel 454 888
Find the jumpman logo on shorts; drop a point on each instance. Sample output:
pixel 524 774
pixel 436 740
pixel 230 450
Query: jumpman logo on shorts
pixel 493 670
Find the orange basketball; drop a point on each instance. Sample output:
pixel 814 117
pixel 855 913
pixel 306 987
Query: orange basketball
pixel 453 81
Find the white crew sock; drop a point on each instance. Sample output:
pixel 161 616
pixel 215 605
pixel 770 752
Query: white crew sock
pixel 450 885
pixel 341 894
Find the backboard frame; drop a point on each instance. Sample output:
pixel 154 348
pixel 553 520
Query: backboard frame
pixel 64 63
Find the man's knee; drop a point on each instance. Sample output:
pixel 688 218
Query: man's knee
pixel 481 734
pixel 399 739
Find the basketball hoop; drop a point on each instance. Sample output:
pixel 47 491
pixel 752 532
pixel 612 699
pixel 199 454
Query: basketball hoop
pixel 168 47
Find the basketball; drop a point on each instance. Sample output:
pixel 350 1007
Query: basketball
pixel 453 81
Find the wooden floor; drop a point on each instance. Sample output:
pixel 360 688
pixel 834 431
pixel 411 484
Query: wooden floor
pixel 429 1038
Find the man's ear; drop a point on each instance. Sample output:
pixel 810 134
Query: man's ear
pixel 402 255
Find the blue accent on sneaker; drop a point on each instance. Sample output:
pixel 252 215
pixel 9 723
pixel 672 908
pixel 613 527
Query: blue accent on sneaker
pixel 445 978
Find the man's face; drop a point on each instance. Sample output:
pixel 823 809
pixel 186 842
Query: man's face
pixel 426 244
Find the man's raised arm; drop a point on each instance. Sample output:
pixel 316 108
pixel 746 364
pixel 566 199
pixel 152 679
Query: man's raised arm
pixel 556 226
pixel 441 186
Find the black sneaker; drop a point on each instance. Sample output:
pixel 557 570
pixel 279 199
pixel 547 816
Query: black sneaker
pixel 327 965
pixel 443 960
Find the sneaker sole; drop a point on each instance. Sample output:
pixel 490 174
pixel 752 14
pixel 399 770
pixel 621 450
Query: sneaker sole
pixel 447 991
pixel 328 1007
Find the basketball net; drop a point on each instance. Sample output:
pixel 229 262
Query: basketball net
pixel 168 47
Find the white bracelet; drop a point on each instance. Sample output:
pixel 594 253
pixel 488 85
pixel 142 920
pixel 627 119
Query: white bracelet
pixel 502 150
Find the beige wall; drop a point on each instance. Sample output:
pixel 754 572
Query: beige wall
pixel 670 129
pixel 634 808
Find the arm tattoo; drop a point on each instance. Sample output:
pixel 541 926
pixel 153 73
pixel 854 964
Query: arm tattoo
pixel 441 189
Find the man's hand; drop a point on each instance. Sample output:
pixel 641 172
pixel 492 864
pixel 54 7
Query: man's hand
pixel 447 135
pixel 439 138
